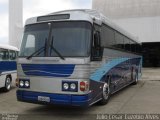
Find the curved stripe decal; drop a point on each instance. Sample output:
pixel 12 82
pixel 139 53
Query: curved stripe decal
pixel 98 74
pixel 54 70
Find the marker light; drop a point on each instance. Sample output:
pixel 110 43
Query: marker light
pixel 17 82
pixel 21 83
pixel 66 86
pixel 73 86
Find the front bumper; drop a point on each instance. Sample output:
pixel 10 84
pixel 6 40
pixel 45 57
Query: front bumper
pixel 57 99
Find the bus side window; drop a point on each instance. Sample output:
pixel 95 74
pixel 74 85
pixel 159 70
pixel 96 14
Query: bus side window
pixel 12 55
pixel 119 40
pixel 127 44
pixel 1 54
pixel 5 55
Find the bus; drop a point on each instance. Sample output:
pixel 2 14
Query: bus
pixel 75 58
pixel 8 67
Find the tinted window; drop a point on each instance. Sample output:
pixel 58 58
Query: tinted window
pixel 107 36
pixel 12 55
pixel 34 38
pixel 138 48
pixel 119 40
pixel 68 38
pixel 133 46
pixel 71 38
pixel 4 54
pixel 127 44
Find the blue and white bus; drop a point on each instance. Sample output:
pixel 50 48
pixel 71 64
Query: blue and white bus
pixel 8 67
pixel 75 58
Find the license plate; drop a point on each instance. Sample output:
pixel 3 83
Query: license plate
pixel 43 99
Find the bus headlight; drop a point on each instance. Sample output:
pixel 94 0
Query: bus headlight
pixel 21 83
pixel 73 86
pixel 27 83
pixel 24 83
pixel 70 86
pixel 66 86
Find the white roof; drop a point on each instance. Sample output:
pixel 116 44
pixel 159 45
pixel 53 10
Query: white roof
pixel 100 18
pixel 87 15
pixel 9 47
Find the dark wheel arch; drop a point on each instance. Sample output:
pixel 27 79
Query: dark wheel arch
pixel 106 98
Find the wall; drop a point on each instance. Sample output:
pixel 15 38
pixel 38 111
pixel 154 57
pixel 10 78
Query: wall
pixel 139 17
pixel 15 22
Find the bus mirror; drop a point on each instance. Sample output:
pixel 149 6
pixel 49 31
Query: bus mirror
pixel 96 39
pixel 97 50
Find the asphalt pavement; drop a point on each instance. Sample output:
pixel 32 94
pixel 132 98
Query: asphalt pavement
pixel 143 98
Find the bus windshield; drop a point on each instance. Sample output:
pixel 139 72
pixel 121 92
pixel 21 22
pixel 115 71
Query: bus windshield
pixel 70 39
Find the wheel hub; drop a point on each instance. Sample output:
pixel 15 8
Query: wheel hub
pixel 106 91
pixel 8 83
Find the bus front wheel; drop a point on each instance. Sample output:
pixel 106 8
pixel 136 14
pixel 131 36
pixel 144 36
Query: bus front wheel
pixel 7 84
pixel 105 94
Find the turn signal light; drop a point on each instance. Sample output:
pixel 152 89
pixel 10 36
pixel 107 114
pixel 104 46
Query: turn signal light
pixel 17 82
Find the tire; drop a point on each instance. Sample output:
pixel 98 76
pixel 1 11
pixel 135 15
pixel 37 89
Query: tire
pixel 8 82
pixel 135 79
pixel 106 94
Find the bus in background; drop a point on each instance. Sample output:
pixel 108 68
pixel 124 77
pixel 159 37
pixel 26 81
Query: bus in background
pixel 8 67
pixel 76 58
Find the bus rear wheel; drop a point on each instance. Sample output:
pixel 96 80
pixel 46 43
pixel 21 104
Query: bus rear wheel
pixel 135 79
pixel 8 82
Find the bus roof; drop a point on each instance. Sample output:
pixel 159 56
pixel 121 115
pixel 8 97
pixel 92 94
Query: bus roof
pixel 8 47
pixel 84 14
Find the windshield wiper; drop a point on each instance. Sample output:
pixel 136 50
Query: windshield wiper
pixel 40 50
pixel 54 49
